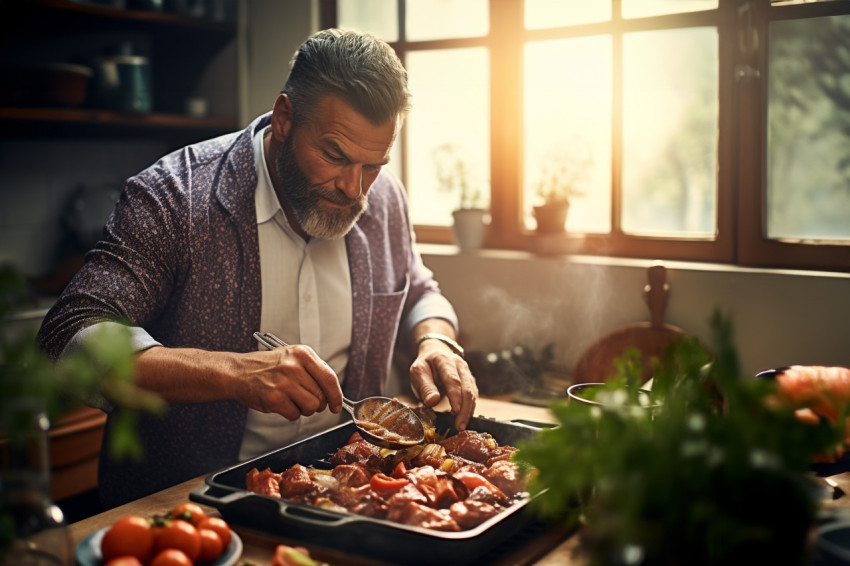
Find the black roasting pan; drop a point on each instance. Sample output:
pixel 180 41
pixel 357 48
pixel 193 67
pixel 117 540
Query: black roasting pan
pixel 372 538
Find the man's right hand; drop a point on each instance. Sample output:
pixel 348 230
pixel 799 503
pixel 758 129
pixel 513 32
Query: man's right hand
pixel 292 381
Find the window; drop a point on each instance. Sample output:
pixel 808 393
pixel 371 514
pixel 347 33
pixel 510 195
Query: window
pixel 707 130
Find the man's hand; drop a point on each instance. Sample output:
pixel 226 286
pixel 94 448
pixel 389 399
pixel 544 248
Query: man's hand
pixel 439 371
pixel 291 381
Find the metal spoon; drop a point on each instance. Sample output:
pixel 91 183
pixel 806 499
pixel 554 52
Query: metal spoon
pixel 381 421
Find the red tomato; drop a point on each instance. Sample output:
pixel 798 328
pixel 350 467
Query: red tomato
pixel 383 482
pixel 171 557
pixel 125 561
pixel 211 545
pixel 180 535
pixel 220 526
pixel 400 470
pixel 191 512
pixel 472 480
pixel 128 536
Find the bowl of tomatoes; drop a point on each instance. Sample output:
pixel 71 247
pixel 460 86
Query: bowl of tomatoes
pixel 185 536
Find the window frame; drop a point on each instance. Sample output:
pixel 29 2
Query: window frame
pixel 741 152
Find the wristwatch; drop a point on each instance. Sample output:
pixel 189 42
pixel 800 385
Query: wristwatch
pixel 456 348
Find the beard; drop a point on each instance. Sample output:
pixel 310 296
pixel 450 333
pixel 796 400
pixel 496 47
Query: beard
pixel 305 199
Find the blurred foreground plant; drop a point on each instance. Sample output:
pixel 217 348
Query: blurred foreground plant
pixel 103 366
pixel 715 474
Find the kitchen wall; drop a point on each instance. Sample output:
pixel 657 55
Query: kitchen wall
pixel 780 317
pixel 502 297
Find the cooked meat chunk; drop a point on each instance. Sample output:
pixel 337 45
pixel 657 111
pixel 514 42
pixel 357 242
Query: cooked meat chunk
pixel 360 452
pixel 486 495
pixel 348 497
pixel 469 514
pixel 473 446
pixel 505 475
pixel 264 483
pixel 353 475
pixel 296 481
pixel 405 495
pixel 421 516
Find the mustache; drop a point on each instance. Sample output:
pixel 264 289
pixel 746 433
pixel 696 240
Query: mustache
pixel 334 195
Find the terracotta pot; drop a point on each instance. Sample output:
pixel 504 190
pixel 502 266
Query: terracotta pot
pixel 551 218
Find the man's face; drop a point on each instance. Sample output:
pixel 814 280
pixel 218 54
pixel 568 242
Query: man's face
pixel 327 165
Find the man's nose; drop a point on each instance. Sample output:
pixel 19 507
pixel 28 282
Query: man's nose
pixel 350 181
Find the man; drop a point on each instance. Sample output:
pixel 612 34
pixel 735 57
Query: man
pixel 291 227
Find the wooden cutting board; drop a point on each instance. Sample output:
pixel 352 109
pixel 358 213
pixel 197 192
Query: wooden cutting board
pixel 596 363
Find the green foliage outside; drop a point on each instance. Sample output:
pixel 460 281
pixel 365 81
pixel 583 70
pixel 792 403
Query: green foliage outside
pixel 717 474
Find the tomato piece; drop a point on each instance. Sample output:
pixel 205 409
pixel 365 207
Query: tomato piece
pixel 293 556
pixel 125 561
pixel 383 483
pixel 191 512
pixel 472 480
pixel 220 527
pixel 180 535
pixel 128 536
pixel 400 470
pixel 211 545
pixel 171 557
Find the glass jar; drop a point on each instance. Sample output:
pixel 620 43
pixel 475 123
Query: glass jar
pixel 32 527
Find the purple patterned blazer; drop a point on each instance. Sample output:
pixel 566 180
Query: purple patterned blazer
pixel 180 257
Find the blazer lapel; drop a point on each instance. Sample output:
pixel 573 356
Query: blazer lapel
pixel 356 384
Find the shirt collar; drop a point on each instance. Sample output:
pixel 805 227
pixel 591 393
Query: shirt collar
pixel 265 199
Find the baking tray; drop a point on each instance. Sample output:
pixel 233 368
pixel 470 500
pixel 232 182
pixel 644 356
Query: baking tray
pixel 355 534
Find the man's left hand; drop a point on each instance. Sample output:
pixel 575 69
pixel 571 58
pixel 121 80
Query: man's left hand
pixel 439 371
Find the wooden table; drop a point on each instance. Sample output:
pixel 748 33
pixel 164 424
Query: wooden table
pixel 554 546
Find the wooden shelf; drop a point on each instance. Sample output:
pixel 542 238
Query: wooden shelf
pixel 85 122
pixel 66 12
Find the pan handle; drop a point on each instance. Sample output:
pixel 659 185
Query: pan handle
pixel 314 516
pixel 200 495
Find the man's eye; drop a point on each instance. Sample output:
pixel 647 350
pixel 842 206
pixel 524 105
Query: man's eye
pixel 334 158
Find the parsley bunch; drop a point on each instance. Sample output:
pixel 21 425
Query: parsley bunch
pixel 716 474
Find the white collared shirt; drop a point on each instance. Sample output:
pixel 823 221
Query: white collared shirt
pixel 306 299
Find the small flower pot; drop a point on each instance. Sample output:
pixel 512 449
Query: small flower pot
pixel 552 217
pixel 470 225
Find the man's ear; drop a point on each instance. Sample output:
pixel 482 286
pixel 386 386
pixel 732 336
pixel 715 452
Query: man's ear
pixel 282 117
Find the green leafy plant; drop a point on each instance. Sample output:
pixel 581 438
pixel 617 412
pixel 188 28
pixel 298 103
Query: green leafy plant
pixel 716 474
pixel 454 176
pixel 564 174
pixel 103 366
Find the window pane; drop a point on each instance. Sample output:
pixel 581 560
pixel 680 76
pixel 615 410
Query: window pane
pixel 644 8
pixel 443 19
pixel 808 155
pixel 450 119
pixel 378 17
pixel 555 13
pixel 567 113
pixel 670 132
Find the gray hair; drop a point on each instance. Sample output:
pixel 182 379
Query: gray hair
pixel 360 68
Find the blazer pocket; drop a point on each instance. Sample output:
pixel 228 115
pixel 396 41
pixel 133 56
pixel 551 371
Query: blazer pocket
pixel 386 313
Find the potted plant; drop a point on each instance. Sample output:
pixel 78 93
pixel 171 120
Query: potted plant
pixel 454 176
pixel 563 176
pixel 716 472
